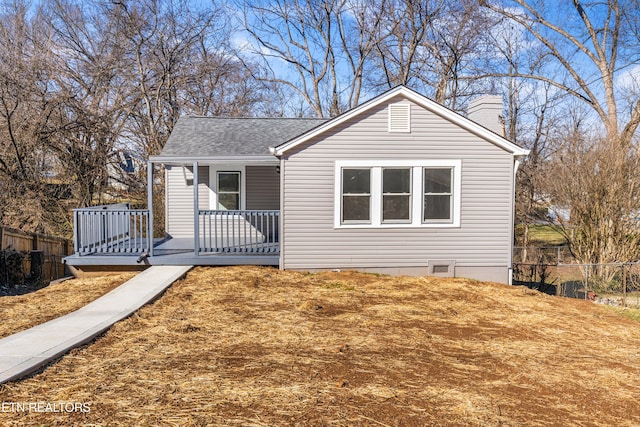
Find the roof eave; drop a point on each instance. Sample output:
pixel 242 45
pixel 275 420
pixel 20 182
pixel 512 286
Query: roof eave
pixel 184 160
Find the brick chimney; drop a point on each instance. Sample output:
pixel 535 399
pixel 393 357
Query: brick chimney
pixel 486 110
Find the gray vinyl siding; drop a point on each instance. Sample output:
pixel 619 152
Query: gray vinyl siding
pixel 179 198
pixel 482 241
pixel 263 188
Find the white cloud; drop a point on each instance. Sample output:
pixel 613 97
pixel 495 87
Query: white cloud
pixel 244 43
pixel 629 79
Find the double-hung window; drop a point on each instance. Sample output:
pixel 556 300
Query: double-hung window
pixel 228 190
pixel 356 195
pixel 400 193
pixel 438 197
pixel 396 195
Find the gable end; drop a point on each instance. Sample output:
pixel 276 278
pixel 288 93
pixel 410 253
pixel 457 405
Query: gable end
pixel 416 98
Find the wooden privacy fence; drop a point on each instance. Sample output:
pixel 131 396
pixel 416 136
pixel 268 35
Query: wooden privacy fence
pixel 49 250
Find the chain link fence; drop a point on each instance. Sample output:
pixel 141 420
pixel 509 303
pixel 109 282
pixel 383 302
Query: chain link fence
pixel 545 254
pixel 614 284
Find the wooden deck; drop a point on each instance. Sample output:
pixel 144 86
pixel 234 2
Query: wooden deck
pixel 115 235
pixel 176 252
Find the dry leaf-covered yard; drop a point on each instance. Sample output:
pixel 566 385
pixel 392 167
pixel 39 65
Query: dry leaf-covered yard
pixel 260 347
pixel 21 312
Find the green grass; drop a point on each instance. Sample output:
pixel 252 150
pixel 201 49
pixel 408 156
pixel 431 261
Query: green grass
pixel 542 235
pixel 631 313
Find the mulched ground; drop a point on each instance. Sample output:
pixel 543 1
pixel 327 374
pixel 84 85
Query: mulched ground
pixel 251 346
pixel 31 306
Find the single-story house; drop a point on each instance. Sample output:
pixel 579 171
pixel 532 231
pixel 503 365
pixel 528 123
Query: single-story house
pixel 399 185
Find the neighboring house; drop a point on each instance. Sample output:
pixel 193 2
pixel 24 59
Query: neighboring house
pixel 122 169
pixel 399 185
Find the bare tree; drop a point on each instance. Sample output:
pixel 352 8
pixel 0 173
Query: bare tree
pixel 531 119
pixel 400 57
pixel 589 48
pixel 581 52
pixel 177 60
pixel 316 49
pixel 434 46
pixel 457 49
pixel 89 76
pixel 361 30
pixel 222 85
pixel 80 82
pixel 539 136
pixel 158 41
pixel 297 34
pixel 600 183
pixel 28 106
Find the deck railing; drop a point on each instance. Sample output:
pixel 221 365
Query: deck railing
pixel 239 231
pixel 109 229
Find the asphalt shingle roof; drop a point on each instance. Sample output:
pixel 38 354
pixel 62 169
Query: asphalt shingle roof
pixel 224 137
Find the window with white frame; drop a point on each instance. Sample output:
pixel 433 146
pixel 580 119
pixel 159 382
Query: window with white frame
pixel 438 197
pixel 228 190
pixel 403 193
pixel 396 195
pixel 356 195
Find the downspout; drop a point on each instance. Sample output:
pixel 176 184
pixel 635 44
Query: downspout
pixel 196 222
pixel 516 165
pixel 150 205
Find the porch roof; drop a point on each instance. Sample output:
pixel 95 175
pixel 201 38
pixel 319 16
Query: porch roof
pixel 198 137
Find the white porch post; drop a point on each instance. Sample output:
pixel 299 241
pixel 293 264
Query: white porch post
pixel 196 222
pixel 150 206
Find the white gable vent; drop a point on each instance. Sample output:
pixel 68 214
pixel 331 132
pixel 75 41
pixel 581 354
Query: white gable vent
pixel 399 118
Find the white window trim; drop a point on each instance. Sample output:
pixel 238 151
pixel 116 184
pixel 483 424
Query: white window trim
pixel 416 192
pixel 342 221
pixel 411 196
pixel 424 194
pixel 213 183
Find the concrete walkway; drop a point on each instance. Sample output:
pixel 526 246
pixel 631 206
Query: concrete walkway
pixel 27 351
